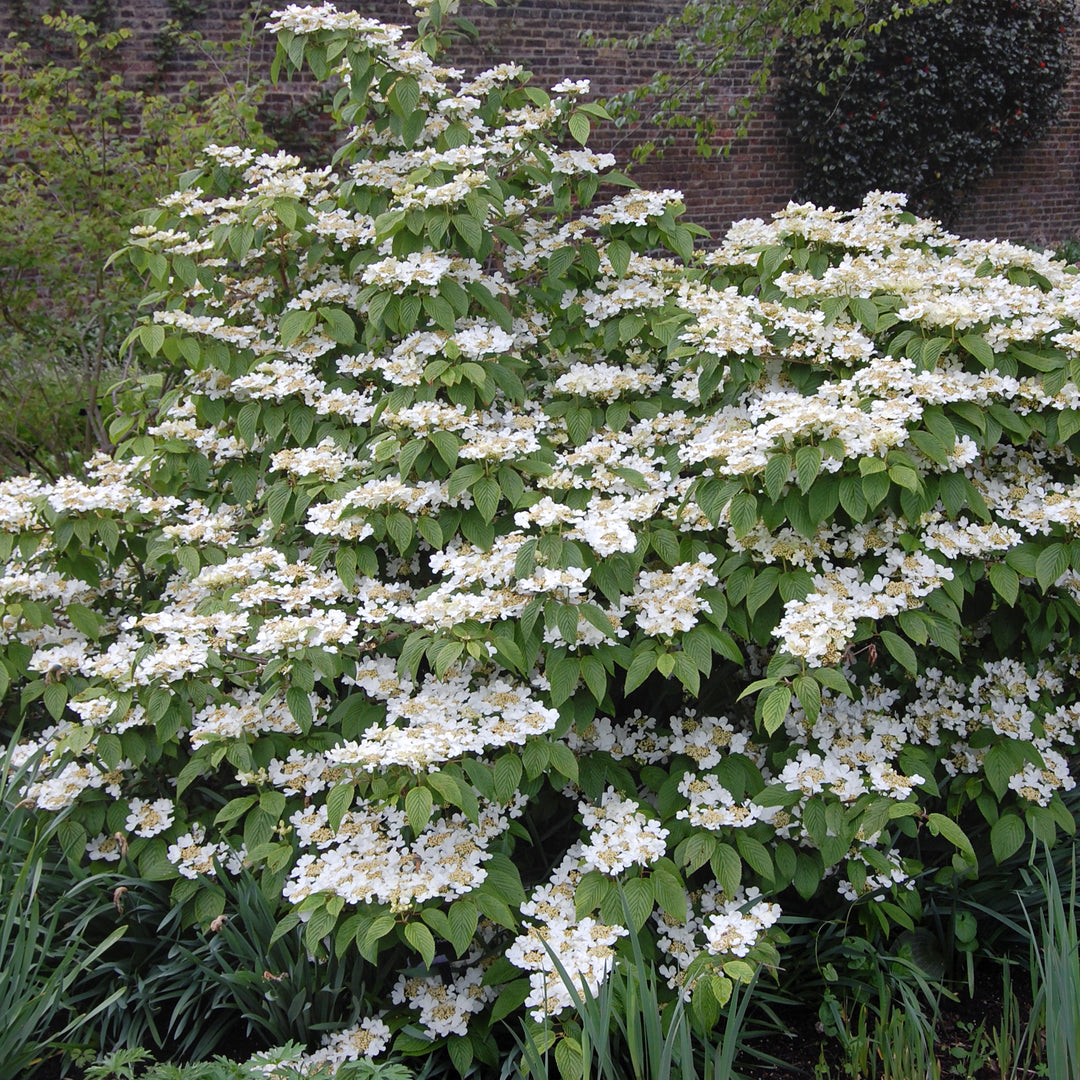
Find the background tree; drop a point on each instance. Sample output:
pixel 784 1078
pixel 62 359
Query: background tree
pixel 83 150
pixel 931 103
pixel 708 38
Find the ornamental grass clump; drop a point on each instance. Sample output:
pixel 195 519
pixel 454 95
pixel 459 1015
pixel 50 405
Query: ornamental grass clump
pixel 498 589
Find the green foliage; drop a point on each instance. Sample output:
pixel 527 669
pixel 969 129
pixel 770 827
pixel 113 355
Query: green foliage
pixel 193 992
pixel 708 39
pixel 42 958
pixel 930 102
pixel 1055 973
pixel 282 1063
pixel 494 597
pixel 84 150
pixel 627 1031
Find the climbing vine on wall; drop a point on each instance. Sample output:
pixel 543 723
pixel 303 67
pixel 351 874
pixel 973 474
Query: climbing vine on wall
pixel 167 41
pixel 931 102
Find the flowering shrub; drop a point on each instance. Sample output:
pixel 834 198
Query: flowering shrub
pixel 936 99
pixel 497 587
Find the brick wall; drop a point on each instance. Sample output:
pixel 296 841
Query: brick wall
pixel 1034 197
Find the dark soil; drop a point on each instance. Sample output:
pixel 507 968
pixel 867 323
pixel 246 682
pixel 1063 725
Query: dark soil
pixel 963 1044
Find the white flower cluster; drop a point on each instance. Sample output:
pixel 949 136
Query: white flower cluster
pixel 192 856
pixel 620 835
pixel 444 1005
pixel 442 718
pixel 583 947
pixel 729 927
pixel 369 858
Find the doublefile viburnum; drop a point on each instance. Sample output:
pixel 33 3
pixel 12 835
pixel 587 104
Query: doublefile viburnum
pixel 479 539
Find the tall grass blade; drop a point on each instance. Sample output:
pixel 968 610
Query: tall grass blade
pixel 1055 971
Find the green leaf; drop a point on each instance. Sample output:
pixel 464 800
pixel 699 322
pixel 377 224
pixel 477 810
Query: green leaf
pixel 931 446
pixel 339 325
pixel 300 707
pixel 404 95
pixel 777 471
pixel 875 487
pixel 1006 582
pixel 418 806
pixel 939 824
pixel 563 761
pixel 807 466
pixel 763 586
pixel 670 893
pixel 272 803
pixel 470 230
pixel 808 692
pixel 755 854
pixel 979 348
pixel 508 771
pixel 640 897
pixel 511 996
pixel 338 800
pixel 580 127
pixel 1000 764
pixel 1052 562
pixel 294 325
pixel 865 310
pixel 697 849
pixel 486 494
pixel 235 808
pixel 1006 836
pixel 422 940
pixel 463 918
pixel 775 707
pixel 808 874
pixel 152 337
pixel 618 253
pixel 578 425
pixel 743 513
pixel 900 651
pixel 568 1058
pixel 641 667
pixel 852 498
pixel 368 937
pixel 55 697
pixel 727 868
pixel 904 477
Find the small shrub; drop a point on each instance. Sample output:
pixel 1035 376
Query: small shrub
pixel 933 102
